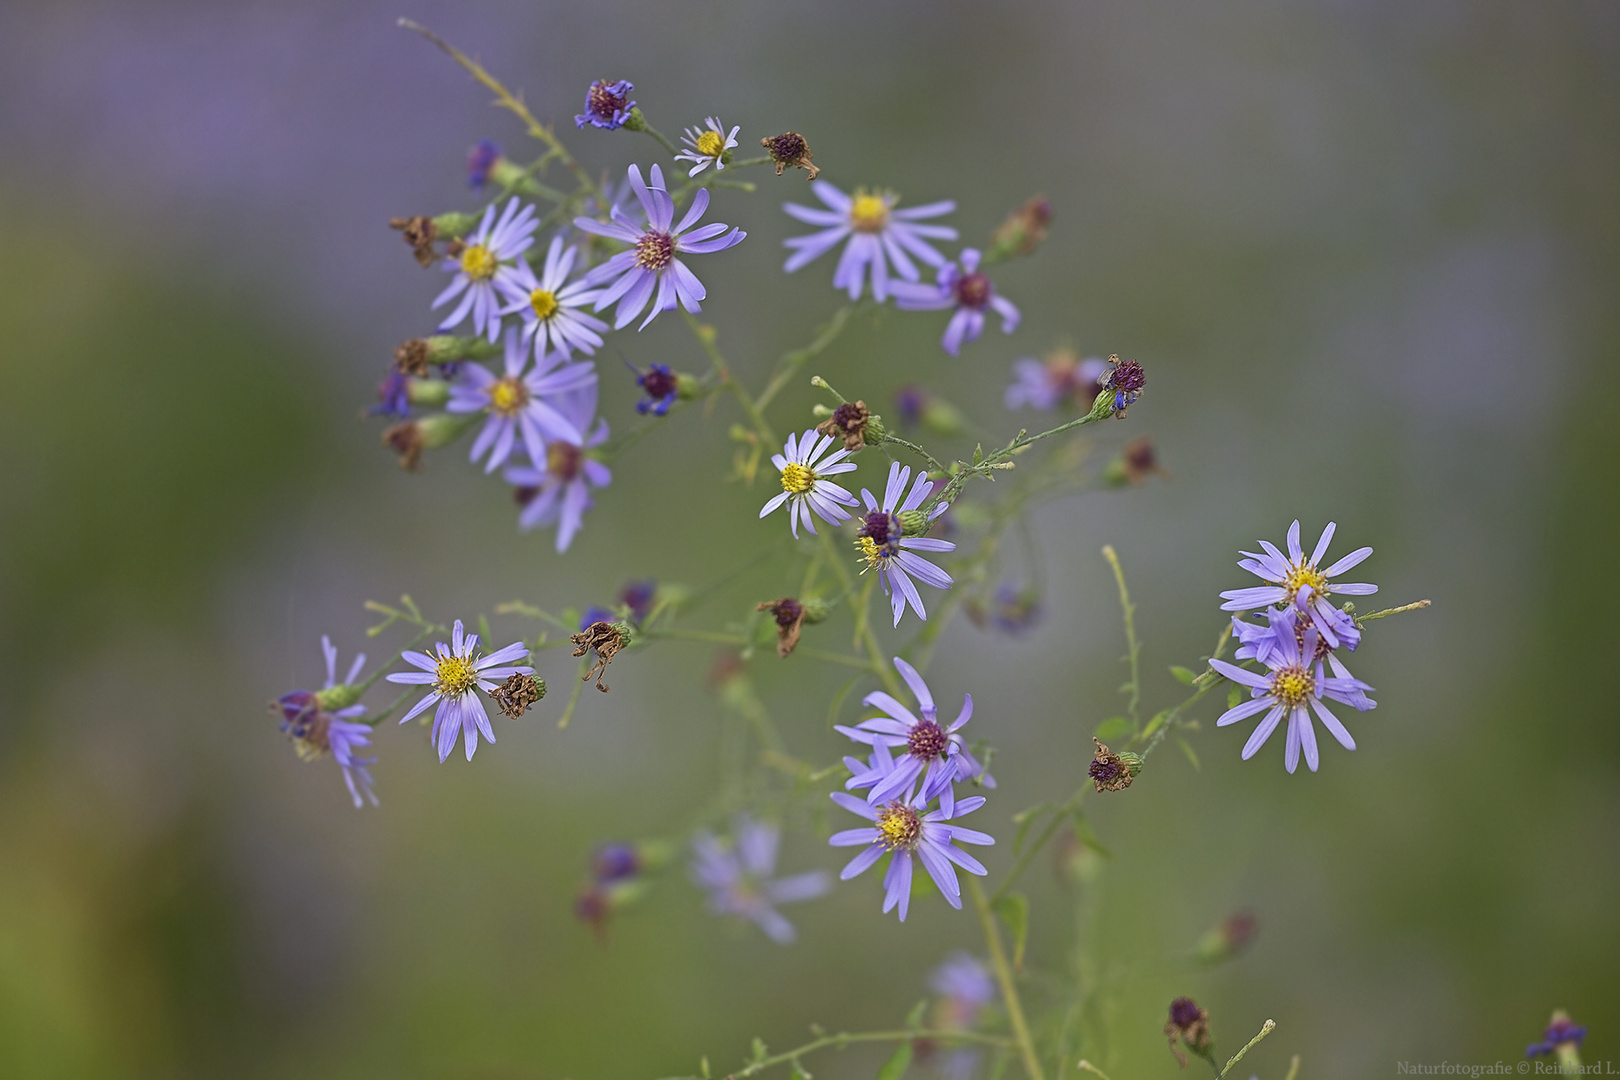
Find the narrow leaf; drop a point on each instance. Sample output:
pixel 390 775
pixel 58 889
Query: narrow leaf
pixel 1155 723
pixel 1109 730
pixel 1233 696
pixel 1186 748
pixel 1182 675
pixel 896 1066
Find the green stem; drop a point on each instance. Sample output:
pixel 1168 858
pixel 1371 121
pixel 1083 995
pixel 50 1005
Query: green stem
pixel 1130 634
pixel 864 637
pixel 791 362
pixel 1004 978
pixel 933 462
pixel 705 337
pixel 1090 1068
pixel 843 1039
pixel 1417 605
pixel 1041 840
pixel 648 129
pixel 426 633
pixel 1266 1029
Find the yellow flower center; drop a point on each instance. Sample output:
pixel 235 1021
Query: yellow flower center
pixel 1304 574
pixel 898 826
pixel 797 479
pixel 710 144
pixel 544 303
pixel 508 395
pixel 869 551
pixel 455 675
pixel 478 262
pixel 869 213
pixel 1292 685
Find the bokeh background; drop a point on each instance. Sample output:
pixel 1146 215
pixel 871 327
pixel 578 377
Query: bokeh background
pixel 1367 251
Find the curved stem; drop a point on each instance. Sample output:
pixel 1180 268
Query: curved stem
pixel 1134 646
pixel 844 1038
pixel 705 337
pixel 1004 978
pixel 1266 1029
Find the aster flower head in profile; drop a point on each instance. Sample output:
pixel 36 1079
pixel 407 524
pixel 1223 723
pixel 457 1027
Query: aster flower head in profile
pixel 805 487
pixel 652 268
pixel 607 105
pixel 519 402
pixel 481 161
pixel 929 751
pixel 556 488
pixel 890 537
pixel 1293 688
pixel 324 722
pixel 737 877
pixel 967 289
pixel 1295 579
pixel 549 305
pixel 708 145
pixel 485 268
pixel 878 234
pixel 1061 376
pixel 456 672
pixel 903 829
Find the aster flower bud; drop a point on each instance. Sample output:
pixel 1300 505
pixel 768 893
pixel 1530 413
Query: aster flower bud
pixel 915 522
pixel 606 639
pixel 411 438
pixel 518 693
pixel 1190 1025
pixel 1023 231
pixel 1133 464
pixel 853 422
pixel 337 696
pixel 1232 936
pixel 816 610
pixel 413 355
pixel 1113 772
pixel 790 150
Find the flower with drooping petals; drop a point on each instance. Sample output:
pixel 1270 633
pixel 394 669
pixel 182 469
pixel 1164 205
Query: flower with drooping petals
pixel 904 828
pixel 963 286
pixel 607 105
pixel 737 877
pixel 932 754
pixel 878 235
pixel 322 723
pixel 556 489
pixel 709 146
pixel 1061 376
pixel 548 305
pixel 653 259
pixel 805 486
pixel 1296 579
pixel 485 268
pixel 519 403
pixel 885 545
pixel 456 673
pixel 1294 687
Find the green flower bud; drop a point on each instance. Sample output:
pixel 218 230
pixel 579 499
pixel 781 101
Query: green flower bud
pixel 428 393
pixel 455 224
pixel 816 610
pixel 914 523
pixel 337 697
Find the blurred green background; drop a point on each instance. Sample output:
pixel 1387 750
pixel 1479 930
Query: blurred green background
pixel 1367 252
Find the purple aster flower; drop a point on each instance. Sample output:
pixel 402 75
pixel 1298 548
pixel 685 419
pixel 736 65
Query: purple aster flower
pixel 883 542
pixel 662 387
pixel 1046 384
pixel 1562 1032
pixel 709 146
pixel 556 489
pixel 1296 579
pixel 517 402
pixel 878 234
pixel 1295 687
pixel 638 597
pixel 480 160
pixel 547 304
pixel 1126 379
pixel 965 987
pixel 615 862
pixel 965 288
pixel 903 828
pixel 1261 643
pixel 595 614
pixel 805 486
pixel 932 751
pixel 456 673
pixel 393 396
pixel 607 105
pixel 322 723
pixel 484 270
pixel 653 259
pixel 737 877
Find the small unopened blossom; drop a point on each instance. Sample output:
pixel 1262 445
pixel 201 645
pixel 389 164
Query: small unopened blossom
pixel 485 270
pixel 1190 1025
pixel 411 438
pixel 556 488
pixel 1231 936
pixel 889 546
pixel 615 862
pixel 1294 687
pixel 709 145
pixel 480 160
pixel 520 403
pixel 607 105
pixel 652 265
pixel 931 756
pixel 323 722
pixel 1110 771
pixel 805 487
pixel 1024 229
pixel 1061 377
pixel 549 305
pixel 904 829
pixel 738 877
pixel 790 150
pixel 788 614
pixel 1136 461
pixel 1563 1036
pixel 1296 579
pixel 456 672
pixel 878 234
pixel 963 287
pixel 1124 380
pixel 661 386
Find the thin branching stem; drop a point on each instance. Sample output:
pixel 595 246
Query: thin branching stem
pixel 1004 979
pixel 844 1038
pixel 1265 1029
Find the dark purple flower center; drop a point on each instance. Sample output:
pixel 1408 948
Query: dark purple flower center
pixel 787 611
pixel 881 527
pixel 659 382
pixel 1184 1012
pixel 1139 455
pixel 562 460
pixel 1128 376
pixel 849 416
pixel 523 496
pixel 602 101
pixel 910 400
pixel 973 290
pixel 614 862
pixel 927 740
pixel 655 250
pixel 788 146
pixel 1105 769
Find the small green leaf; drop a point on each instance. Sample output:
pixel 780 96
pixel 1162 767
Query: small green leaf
pixel 1186 748
pixel 704 1063
pixel 1088 837
pixel 1014 911
pixel 914 1018
pixel 760 1052
pixel 1182 675
pixel 797 1071
pixel 898 1062
pixel 1155 723
pixel 1233 696
pixel 1112 729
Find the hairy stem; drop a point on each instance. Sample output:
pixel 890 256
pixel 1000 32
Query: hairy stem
pixel 1004 978
pixel 1266 1029
pixel 1131 643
